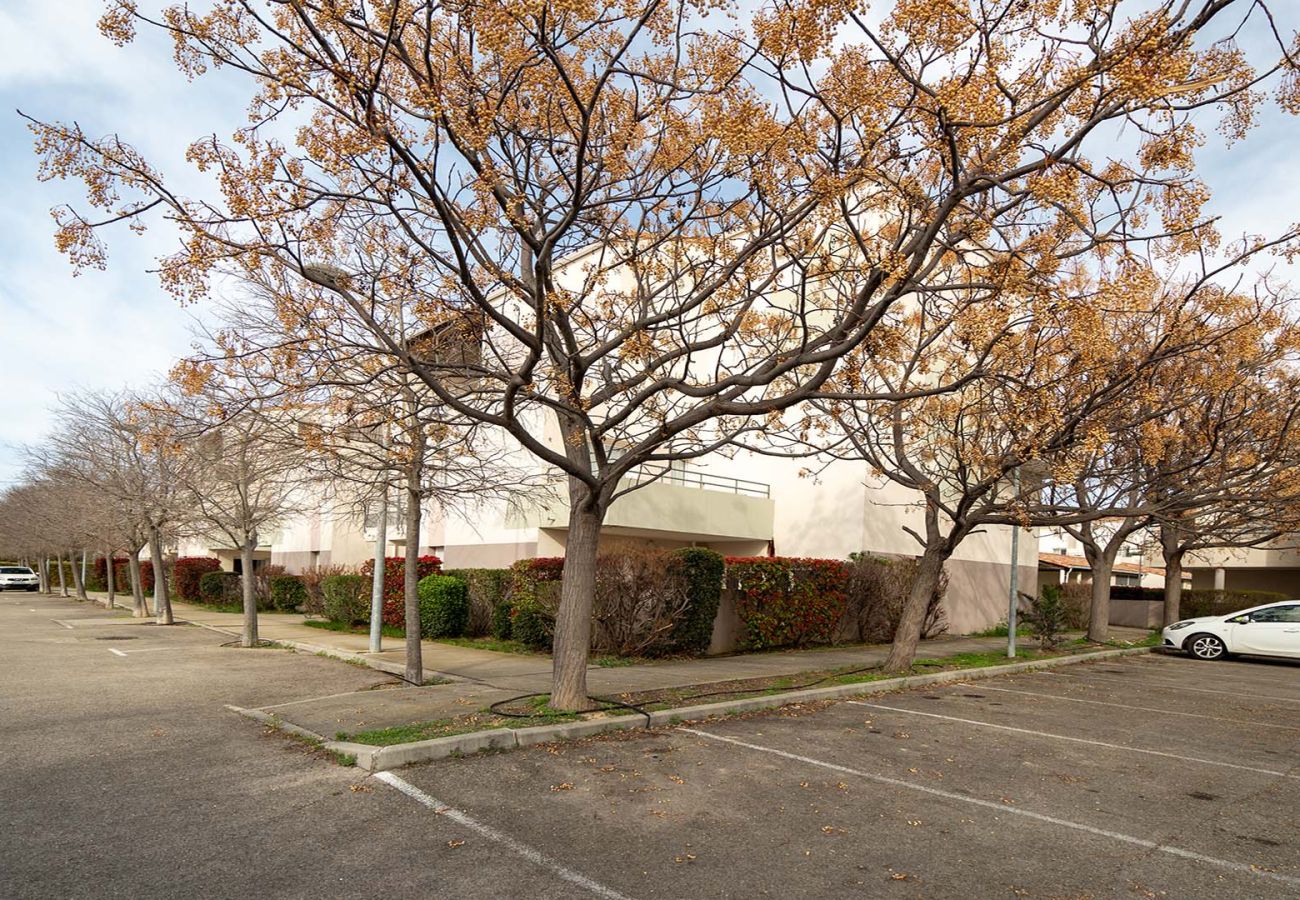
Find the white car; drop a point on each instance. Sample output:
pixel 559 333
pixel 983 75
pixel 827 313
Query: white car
pixel 1272 630
pixel 18 578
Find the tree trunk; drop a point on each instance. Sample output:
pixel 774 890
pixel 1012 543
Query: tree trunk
pixel 109 579
pixel 572 641
pixel 249 637
pixel 1099 611
pixel 63 584
pixel 1173 588
pixel 1173 557
pixel 79 577
pixel 929 570
pixel 377 580
pixel 43 575
pixel 137 584
pixel 162 603
pixel 411 581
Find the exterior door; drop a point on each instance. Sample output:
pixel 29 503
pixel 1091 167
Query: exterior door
pixel 1274 631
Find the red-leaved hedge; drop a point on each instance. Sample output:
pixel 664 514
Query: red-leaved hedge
pixel 186 572
pixel 394 581
pixel 122 575
pixel 788 601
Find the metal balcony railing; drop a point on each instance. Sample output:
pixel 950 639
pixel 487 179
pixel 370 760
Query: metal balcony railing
pixel 704 481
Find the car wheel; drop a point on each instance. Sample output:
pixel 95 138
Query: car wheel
pixel 32 590
pixel 1205 646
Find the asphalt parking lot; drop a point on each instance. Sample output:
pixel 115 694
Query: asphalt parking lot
pixel 1150 776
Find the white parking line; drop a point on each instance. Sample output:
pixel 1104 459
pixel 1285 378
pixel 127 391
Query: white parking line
pixel 314 699
pixel 57 622
pixel 154 649
pixel 1076 740
pixel 117 652
pixel 529 853
pixel 1150 709
pixel 1170 686
pixel 1244 868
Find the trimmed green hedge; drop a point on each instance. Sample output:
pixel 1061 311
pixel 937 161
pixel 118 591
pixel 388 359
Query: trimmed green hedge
pixel 347 599
pixel 1221 603
pixel 444 606
pixel 218 588
pixel 287 592
pixel 487 589
pixel 704 570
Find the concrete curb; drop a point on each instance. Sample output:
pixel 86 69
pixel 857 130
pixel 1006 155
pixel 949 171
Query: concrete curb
pixel 383 758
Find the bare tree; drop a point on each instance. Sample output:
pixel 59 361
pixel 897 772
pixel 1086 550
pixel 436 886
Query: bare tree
pixel 660 230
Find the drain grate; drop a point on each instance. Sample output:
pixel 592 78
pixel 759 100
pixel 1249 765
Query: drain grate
pixel 123 637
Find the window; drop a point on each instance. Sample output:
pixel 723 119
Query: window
pixel 1277 614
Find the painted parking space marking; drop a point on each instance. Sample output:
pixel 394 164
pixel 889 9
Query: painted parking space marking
pixel 116 652
pixel 1171 686
pixel 1244 868
pixel 57 622
pixel 1076 740
pixel 315 699
pixel 1150 709
pixel 529 853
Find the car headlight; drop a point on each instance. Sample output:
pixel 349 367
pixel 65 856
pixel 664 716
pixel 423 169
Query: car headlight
pixel 1178 625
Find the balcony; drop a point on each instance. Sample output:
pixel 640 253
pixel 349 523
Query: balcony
pixel 680 504
pixel 704 481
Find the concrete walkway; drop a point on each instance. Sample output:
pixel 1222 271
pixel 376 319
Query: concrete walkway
pixel 482 677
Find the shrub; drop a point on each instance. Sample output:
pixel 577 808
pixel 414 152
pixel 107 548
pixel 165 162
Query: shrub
pixel 1133 592
pixel 704 571
pixel 487 588
pixel 347 599
pixel 287 592
pixel 877 590
pixel 640 596
pixel 533 596
pixel 311 581
pixel 788 601
pixel 444 606
pixel 186 572
pixel 1077 599
pixel 501 616
pixel 1222 603
pixel 122 575
pixel 395 583
pixel 1045 615
pixel 532 624
pixel 219 588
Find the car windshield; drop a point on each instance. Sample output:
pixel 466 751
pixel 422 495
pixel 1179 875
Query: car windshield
pixel 15 570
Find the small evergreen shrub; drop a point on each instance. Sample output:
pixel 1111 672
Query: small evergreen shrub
pixel 703 570
pixel 219 588
pixel 1045 615
pixel 347 599
pixel 533 625
pixel 444 606
pixel 287 592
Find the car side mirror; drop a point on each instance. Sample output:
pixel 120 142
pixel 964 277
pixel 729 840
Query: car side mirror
pixel 1239 620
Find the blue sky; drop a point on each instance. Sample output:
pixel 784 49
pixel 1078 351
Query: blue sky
pixel 116 327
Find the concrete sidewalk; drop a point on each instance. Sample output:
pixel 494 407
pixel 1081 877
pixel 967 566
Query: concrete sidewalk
pixel 482 677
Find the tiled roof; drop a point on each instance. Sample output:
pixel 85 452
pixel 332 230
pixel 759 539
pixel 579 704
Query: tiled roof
pixel 1065 561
